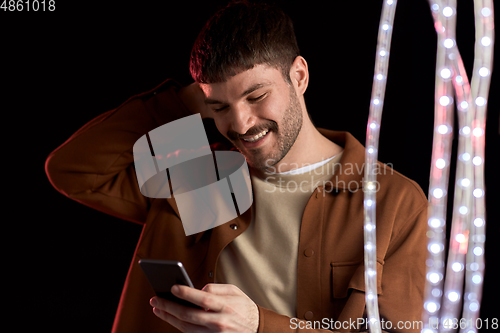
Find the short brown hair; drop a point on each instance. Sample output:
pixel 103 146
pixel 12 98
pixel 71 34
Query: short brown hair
pixel 240 36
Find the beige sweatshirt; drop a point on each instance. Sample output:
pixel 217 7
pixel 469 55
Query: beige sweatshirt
pixel 262 265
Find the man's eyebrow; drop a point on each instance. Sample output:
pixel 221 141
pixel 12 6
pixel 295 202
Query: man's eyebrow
pixel 255 87
pixel 212 101
pixel 250 90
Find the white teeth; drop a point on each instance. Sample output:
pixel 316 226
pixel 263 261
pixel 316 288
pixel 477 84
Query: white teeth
pixel 258 136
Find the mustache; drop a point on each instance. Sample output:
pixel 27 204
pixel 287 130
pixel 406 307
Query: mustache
pixel 270 125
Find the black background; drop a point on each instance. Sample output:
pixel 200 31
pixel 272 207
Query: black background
pixel 66 263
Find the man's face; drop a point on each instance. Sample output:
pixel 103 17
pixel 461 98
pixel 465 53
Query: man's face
pixel 259 112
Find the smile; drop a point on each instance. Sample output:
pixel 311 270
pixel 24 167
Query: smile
pixel 256 137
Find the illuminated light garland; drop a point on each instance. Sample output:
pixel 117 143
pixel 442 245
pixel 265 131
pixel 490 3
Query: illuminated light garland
pixel 453 281
pixel 441 155
pixel 372 137
pixel 467 232
pixel 480 84
pixel 466 250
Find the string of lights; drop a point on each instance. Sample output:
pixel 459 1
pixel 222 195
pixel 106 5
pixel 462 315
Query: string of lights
pixel 440 166
pixel 372 139
pixel 454 278
pixel 480 84
pixel 466 248
pixel 465 260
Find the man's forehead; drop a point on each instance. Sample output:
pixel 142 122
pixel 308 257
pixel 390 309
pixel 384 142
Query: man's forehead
pixel 216 93
pixel 242 83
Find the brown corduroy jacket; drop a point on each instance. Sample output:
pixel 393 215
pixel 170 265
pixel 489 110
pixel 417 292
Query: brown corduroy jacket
pixel 95 167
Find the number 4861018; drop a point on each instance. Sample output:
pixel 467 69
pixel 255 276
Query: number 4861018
pixel 28 5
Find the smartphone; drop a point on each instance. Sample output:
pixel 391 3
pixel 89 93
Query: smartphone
pixel 163 274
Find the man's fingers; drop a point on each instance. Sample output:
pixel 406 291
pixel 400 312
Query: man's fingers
pixel 180 312
pixel 183 326
pixel 202 298
pixel 223 289
pixel 229 311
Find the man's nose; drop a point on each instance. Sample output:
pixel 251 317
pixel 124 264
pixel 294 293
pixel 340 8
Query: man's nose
pixel 242 119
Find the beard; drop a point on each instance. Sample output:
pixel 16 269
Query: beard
pixel 286 134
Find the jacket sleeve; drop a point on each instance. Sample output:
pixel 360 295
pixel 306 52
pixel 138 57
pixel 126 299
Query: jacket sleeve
pixel 95 165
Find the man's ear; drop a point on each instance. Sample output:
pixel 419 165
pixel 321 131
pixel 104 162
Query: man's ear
pixel 299 74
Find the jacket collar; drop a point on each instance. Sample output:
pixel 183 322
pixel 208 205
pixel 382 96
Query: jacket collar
pixel 350 173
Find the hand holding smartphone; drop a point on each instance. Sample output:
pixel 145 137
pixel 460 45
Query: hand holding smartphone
pixel 163 274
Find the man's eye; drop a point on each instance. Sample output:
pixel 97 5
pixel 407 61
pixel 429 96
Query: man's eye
pixel 257 98
pixel 220 109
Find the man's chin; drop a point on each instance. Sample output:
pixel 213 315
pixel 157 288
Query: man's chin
pixel 264 164
pixel 258 166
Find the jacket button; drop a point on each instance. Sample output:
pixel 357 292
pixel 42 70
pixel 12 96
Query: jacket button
pixel 211 274
pixel 234 226
pixel 309 315
pixel 309 252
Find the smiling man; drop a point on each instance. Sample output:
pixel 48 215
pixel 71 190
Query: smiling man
pixel 295 259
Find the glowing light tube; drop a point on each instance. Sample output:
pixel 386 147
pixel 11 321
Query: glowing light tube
pixel 480 85
pixel 466 248
pixel 372 138
pixel 440 165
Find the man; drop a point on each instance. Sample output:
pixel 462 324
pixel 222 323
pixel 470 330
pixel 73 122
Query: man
pixel 296 258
